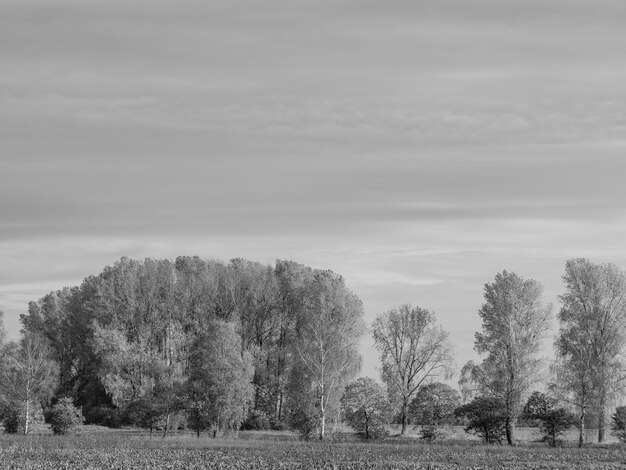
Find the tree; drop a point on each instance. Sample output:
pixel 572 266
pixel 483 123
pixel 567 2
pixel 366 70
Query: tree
pixel 514 322
pixel 618 425
pixel 485 417
pixel 592 334
pixel 366 407
pixel 219 388
pixel 553 421
pixel 65 417
pixel 329 333
pixel 413 349
pixel 432 407
pixel 28 375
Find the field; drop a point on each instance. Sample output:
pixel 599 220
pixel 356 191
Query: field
pixel 121 451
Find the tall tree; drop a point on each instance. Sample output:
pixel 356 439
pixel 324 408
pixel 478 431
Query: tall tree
pixel 514 322
pixel 592 334
pixel 219 385
pixel 329 333
pixel 413 349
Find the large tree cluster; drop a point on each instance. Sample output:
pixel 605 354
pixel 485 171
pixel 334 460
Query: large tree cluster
pixel 153 342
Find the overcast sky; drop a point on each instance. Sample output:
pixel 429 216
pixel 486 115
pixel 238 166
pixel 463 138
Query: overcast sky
pixel 415 147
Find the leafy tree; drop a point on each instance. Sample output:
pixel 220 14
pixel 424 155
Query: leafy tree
pixel 553 421
pixel 218 386
pixel 413 349
pixel 591 337
pixel 28 375
pixel 65 417
pixel 618 425
pixel 432 407
pixel 329 333
pixel 514 321
pixel 366 408
pixel 485 417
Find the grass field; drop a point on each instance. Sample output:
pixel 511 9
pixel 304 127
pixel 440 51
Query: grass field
pixel 120 451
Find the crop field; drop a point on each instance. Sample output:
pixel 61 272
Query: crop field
pixel 118 451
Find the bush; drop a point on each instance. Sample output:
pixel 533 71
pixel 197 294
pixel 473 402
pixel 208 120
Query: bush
pixel 65 417
pixel 553 422
pixel 618 426
pixel 306 421
pixel 15 417
pixel 484 416
pixel 257 420
pixel 433 408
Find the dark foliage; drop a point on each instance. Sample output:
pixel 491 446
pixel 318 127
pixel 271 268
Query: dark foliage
pixel 485 417
pixel 553 421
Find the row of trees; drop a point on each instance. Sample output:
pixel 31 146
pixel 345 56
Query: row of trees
pixel 219 345
pixel 587 373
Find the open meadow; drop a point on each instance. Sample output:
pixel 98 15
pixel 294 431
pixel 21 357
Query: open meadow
pixel 119 450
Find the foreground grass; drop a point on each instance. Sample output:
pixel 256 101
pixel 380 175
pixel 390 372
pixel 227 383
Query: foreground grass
pixel 120 452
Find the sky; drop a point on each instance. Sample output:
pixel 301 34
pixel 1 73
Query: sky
pixel 415 147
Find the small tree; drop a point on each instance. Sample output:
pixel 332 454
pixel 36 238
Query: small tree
pixel 485 417
pixel 65 417
pixel 366 408
pixel 618 426
pixel 553 421
pixel 20 417
pixel 433 407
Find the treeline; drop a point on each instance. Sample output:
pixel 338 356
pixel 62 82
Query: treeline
pixel 218 346
pixel 203 344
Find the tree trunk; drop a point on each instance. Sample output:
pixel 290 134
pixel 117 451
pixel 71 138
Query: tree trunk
pixel 367 433
pixel 322 418
pixel 601 416
pixel 167 424
pixel 581 434
pixel 510 431
pixel 405 408
pixel 27 416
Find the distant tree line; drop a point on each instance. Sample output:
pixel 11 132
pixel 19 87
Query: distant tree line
pixel 218 347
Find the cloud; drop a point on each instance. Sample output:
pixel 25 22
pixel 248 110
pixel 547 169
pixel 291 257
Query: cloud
pixel 416 148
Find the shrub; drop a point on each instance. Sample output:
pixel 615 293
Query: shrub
pixel 65 417
pixel 306 420
pixel 20 417
pixel 485 417
pixel 433 407
pixel 618 425
pixel 257 420
pixel 553 421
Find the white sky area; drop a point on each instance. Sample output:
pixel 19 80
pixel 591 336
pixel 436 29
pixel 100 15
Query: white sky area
pixel 415 147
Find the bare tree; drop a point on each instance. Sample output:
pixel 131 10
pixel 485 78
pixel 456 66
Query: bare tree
pixel 514 322
pixel 592 334
pixel 412 350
